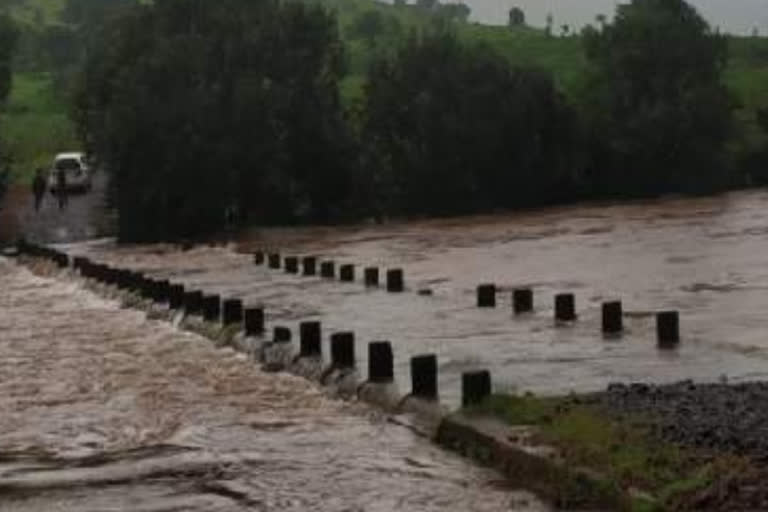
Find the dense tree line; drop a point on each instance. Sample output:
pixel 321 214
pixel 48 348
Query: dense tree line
pixel 8 37
pixel 451 128
pixel 200 108
pixel 658 108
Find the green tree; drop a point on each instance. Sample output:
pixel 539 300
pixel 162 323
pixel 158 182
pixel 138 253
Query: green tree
pixel 455 11
pixel 428 5
pixel 516 17
pixel 550 23
pixel 453 129
pixel 655 98
pixel 368 25
pixel 601 19
pixel 8 37
pixel 93 13
pixel 198 107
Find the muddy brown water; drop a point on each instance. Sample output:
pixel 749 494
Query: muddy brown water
pixel 705 257
pixel 103 409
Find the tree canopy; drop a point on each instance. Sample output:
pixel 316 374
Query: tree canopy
pixel 655 99
pixel 516 17
pixel 8 37
pixel 452 129
pixel 202 107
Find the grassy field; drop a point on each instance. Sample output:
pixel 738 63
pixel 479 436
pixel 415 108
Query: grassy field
pixel 36 124
pixel 37 11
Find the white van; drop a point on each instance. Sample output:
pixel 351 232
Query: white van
pixel 76 169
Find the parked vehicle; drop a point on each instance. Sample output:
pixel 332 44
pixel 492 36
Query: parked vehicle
pixel 77 173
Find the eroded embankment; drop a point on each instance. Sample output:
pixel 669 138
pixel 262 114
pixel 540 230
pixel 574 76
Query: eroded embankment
pixel 633 447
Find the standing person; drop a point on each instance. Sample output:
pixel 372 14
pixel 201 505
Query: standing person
pixel 38 188
pixel 61 188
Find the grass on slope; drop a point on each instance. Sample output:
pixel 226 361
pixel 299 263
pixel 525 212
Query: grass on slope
pixel 623 451
pixel 37 12
pixel 34 124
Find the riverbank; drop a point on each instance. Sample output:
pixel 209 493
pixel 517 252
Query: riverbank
pixel 635 447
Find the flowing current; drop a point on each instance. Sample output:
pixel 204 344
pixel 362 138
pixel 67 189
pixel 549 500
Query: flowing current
pixel 102 409
pixel 703 257
pixel 91 393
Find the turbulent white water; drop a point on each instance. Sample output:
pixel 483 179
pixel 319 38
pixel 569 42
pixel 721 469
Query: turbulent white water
pixel 102 409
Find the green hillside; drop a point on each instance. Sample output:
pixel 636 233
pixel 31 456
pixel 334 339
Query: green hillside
pixel 35 11
pixel 36 125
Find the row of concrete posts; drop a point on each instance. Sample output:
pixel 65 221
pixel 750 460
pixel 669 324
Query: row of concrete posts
pixel 308 266
pixel 667 322
pixel 476 386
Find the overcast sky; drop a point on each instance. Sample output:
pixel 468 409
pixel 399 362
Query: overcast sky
pixel 735 16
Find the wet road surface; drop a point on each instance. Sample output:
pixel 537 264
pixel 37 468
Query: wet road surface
pixel 103 409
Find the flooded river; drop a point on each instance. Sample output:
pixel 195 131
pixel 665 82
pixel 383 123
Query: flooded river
pixel 706 257
pixel 91 393
pixel 102 409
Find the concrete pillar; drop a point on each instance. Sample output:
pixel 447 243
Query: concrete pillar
pixel 61 259
pixel 613 317
pixel 424 377
pixel 101 273
pixel 328 269
pixel 476 387
pixel 291 265
pixel 486 296
pixel 372 276
pixel 232 312
pixel 274 261
pixel 668 329
pixel 311 339
pixel 154 289
pixel 78 262
pixel 343 350
pixel 254 322
pixel 162 290
pixel 395 281
pixel 123 279
pixel 193 302
pixel 281 335
pixel 110 275
pixel 211 308
pixel 147 287
pixel 522 300
pixel 565 307
pixel 259 258
pixel 137 278
pixel 380 362
pixel 347 273
pixel 309 263
pixel 176 296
